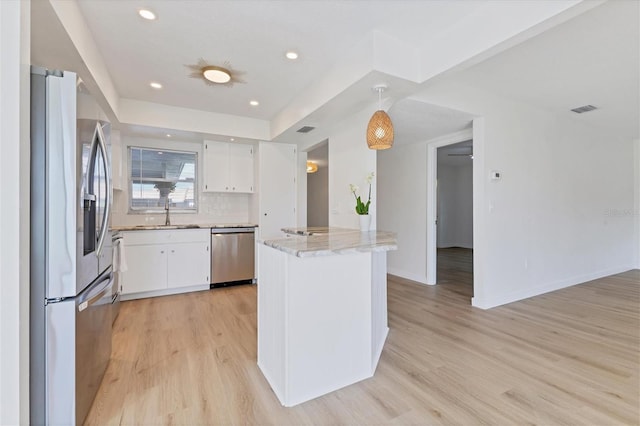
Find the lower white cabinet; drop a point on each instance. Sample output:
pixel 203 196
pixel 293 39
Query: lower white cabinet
pixel 147 269
pixel 160 261
pixel 186 266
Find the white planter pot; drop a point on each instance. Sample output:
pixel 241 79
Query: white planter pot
pixel 365 222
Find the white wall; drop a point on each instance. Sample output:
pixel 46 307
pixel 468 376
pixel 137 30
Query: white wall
pixel 301 190
pixel 351 161
pixel 212 207
pixel 402 206
pixel 14 227
pixel 551 221
pixel 318 197
pixel 455 205
pixel 637 203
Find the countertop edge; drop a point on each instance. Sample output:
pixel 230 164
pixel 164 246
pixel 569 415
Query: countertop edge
pixel 342 242
pixel 181 227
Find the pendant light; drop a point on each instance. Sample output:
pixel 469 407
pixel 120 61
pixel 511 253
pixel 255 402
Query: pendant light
pixel 380 128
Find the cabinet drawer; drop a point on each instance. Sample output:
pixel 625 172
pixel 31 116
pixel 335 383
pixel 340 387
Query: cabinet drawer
pixel 145 237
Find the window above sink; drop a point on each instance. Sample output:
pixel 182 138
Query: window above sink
pixel 159 178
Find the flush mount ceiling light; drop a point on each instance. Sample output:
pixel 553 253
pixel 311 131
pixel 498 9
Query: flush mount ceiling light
pixel 291 55
pixel 311 167
pixel 215 75
pixel 147 14
pixel 155 85
pixel 380 128
pixel 254 103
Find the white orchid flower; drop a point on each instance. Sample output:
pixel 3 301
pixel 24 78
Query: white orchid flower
pixel 353 188
pixel 369 178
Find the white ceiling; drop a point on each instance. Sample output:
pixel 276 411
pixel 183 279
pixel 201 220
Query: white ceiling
pixel 415 121
pixel 253 37
pixel 590 59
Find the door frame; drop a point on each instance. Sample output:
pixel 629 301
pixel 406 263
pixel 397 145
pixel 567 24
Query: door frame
pixel 476 133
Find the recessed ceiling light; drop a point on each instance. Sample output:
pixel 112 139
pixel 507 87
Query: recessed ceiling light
pixel 254 103
pixel 160 152
pixel 232 139
pixel 155 85
pixel 147 14
pixel 168 135
pixel 291 55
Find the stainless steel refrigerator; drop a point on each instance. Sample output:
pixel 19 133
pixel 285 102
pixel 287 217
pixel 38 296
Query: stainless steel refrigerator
pixel 70 262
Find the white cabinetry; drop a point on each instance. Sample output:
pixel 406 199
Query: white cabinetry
pixel 165 262
pixel 186 265
pixel 277 197
pixel 147 268
pixel 117 174
pixel 227 167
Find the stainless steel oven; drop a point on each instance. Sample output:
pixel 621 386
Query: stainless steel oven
pixel 232 256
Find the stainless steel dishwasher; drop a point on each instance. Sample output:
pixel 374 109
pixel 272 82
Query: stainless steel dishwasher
pixel 232 256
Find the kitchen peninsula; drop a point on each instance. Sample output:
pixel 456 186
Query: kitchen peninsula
pixel 322 309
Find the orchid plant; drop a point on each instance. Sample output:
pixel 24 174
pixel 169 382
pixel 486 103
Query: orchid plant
pixel 362 208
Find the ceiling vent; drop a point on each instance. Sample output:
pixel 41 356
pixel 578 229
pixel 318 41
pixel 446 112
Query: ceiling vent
pixel 305 129
pixel 585 108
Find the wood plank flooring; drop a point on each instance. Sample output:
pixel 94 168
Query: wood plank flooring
pixel 568 357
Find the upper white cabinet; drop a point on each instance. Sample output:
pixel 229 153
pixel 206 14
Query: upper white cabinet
pixel 117 174
pixel 227 167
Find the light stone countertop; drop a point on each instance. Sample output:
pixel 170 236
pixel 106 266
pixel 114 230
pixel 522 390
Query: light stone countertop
pixel 182 226
pixel 332 241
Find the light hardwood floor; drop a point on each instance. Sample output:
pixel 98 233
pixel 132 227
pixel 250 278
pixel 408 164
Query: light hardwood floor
pixel 568 357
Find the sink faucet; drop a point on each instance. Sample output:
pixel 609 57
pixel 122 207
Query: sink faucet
pixel 167 220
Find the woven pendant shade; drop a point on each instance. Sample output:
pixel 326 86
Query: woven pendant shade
pixel 380 131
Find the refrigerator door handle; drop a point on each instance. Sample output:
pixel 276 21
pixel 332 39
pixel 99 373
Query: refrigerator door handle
pixel 96 294
pixel 99 136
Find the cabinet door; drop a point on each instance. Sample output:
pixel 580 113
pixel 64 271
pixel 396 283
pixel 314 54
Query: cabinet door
pixel 188 264
pixel 147 269
pixel 241 168
pixel 277 196
pixel 215 170
pixel 117 176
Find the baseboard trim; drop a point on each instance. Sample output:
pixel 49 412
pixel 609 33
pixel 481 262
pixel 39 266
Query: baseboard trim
pixel 406 275
pixel 493 302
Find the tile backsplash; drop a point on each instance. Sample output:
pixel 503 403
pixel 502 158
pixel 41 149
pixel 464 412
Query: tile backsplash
pixel 219 208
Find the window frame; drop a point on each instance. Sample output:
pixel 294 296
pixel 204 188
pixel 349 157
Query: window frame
pixel 161 210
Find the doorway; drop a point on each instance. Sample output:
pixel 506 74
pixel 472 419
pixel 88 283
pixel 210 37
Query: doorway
pixel 318 186
pixel 454 209
pixel 442 218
